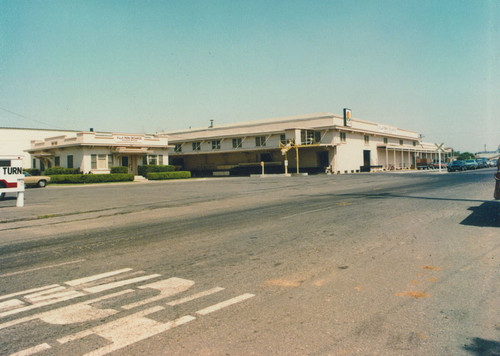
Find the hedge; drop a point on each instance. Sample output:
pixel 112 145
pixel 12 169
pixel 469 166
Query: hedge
pixel 91 178
pixel 32 171
pixel 60 170
pixel 169 175
pixel 119 169
pixel 153 168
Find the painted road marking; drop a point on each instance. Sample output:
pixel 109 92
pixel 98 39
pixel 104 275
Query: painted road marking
pixel 32 350
pixel 96 277
pixel 113 285
pixel 195 296
pixel 167 288
pixel 224 304
pixel 119 330
pixel 39 268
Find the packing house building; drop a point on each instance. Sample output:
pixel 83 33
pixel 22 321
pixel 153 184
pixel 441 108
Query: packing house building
pixel 323 142
pixel 94 152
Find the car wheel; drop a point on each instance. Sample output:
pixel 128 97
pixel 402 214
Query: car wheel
pixel 42 183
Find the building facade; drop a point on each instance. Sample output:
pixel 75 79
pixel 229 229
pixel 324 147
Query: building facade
pixel 94 152
pixel 310 143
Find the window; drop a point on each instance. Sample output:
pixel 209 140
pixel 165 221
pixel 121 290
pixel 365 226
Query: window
pixel 216 145
pixel 196 146
pixel 145 160
pixel 260 141
pixel 367 139
pixel 178 147
pixel 152 159
pixel 237 142
pixel 414 143
pixel 69 161
pixel 110 161
pixel 160 160
pixel 309 137
pixel 317 137
pixel 283 139
pixel 93 161
pixel 401 142
pixel 343 137
pixel 34 163
pixel 57 161
pixel 101 161
pixel 386 140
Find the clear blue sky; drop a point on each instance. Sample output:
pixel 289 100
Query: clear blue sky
pixel 431 66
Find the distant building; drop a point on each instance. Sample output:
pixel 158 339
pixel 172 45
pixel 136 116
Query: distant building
pixel 324 142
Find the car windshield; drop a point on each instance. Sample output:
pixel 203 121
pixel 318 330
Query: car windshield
pixel 26 174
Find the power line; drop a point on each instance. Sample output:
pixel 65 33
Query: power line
pixel 30 119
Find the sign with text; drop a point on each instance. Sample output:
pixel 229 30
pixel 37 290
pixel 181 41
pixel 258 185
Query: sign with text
pixel 347 117
pixel 129 139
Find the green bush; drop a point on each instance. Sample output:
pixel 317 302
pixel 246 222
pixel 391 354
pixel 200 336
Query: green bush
pixel 60 170
pixel 91 178
pixel 153 168
pixel 169 175
pixel 32 171
pixel 119 169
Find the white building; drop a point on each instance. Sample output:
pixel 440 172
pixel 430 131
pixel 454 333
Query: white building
pixel 94 152
pixel 323 142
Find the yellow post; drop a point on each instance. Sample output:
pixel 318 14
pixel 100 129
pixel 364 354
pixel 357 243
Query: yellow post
pixel 262 164
pixel 297 156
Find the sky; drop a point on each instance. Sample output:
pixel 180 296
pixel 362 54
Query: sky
pixel 148 66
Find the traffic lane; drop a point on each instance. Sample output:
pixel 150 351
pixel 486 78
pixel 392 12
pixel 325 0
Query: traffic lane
pixel 279 271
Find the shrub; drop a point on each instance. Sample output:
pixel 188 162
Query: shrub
pixel 60 170
pixel 119 169
pixel 32 171
pixel 169 175
pixel 91 178
pixel 153 168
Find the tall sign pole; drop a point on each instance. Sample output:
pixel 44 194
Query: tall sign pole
pixel 439 149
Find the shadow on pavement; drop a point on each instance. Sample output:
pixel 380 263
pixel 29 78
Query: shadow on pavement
pixel 483 347
pixel 485 215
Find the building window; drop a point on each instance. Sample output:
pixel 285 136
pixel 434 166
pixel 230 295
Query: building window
pixel 178 147
pixel 283 139
pixel 343 137
pixel 69 161
pixel 57 161
pixel 152 160
pixel 386 140
pixel 367 139
pixel 160 160
pixel 401 142
pixel 310 137
pixel 317 136
pixel 93 161
pixel 260 141
pixel 414 143
pixel 110 161
pixel 145 160
pixel 34 163
pixel 102 161
pixel 196 146
pixel 216 145
pixel 237 142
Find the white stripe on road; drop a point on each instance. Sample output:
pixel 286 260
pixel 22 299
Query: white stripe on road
pixel 195 296
pixel 224 304
pixel 32 350
pixel 96 277
pixel 39 268
pixel 45 292
pixel 66 295
pixel 167 288
pixel 7 296
pixel 108 286
pixel 11 304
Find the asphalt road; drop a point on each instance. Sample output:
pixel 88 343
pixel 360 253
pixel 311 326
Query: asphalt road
pixel 367 264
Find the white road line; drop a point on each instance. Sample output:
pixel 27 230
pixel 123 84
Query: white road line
pixel 96 277
pixel 224 304
pixel 40 315
pixel 306 212
pixel 39 268
pixel 45 292
pixel 7 296
pixel 32 350
pixel 104 287
pixel 195 296
pixel 167 288
pixel 11 304
pixel 66 295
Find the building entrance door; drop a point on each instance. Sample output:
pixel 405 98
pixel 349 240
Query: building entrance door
pixel 366 161
pixel 124 161
pixel 323 159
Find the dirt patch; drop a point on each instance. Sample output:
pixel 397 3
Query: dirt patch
pixel 412 294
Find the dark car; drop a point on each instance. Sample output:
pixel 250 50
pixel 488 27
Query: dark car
pixel 456 166
pixel 482 162
pixel 470 164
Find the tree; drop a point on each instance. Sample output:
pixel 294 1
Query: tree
pixel 465 155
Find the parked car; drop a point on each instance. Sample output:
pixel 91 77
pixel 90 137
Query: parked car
pixel 35 181
pixel 493 162
pixel 470 164
pixel 456 166
pixel 435 165
pixel 482 162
